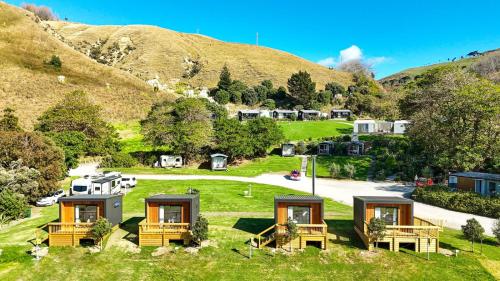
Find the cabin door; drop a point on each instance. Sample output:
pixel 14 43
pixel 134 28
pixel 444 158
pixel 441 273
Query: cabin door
pixel 478 186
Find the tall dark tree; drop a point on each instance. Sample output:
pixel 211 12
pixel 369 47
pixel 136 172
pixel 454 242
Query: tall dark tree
pixel 9 121
pixel 302 89
pixel 224 79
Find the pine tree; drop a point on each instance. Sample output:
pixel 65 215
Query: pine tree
pixel 224 79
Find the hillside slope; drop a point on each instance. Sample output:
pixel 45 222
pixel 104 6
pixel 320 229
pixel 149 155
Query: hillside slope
pixel 149 51
pixel 486 64
pixel 30 85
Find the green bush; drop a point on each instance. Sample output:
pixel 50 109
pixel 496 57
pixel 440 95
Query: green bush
pixel 222 97
pixel 335 170
pixel 200 229
pixel 467 202
pixel 55 61
pixel 100 229
pixel 118 159
pixel 12 205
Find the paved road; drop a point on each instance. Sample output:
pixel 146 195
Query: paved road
pixel 343 191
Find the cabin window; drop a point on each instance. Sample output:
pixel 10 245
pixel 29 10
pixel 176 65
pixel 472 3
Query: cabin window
pixel 452 181
pixel 170 214
pixel 299 214
pixel 478 186
pixel 388 214
pixel 79 188
pixel 85 213
pixel 363 128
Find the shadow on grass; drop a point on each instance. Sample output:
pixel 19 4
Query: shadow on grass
pixel 131 226
pixel 253 225
pixel 343 233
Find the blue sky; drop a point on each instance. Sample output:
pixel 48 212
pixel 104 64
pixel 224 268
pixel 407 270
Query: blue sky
pixel 391 35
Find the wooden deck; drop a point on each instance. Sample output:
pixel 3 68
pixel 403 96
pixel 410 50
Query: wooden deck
pixel 160 234
pixel 424 234
pixel 306 233
pixel 69 234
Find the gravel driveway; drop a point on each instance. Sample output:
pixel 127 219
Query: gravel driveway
pixel 343 191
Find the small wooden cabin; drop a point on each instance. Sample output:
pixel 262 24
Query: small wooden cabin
pixel 287 149
pixel 168 217
pixel 284 114
pixel 306 212
pixel 402 227
pixel 355 148
pixel 309 114
pixel 341 113
pixel 326 148
pixel 218 162
pixel 481 183
pixel 77 215
pixel 248 114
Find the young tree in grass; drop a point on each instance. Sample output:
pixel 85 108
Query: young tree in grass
pixel 9 121
pixel 100 229
pixel 335 170
pixel 302 89
pixel 224 79
pixel 376 230
pixel 350 170
pixel 200 229
pixel 496 230
pixel 473 231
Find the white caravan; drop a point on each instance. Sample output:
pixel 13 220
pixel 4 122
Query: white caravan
pixel 170 161
pixel 109 183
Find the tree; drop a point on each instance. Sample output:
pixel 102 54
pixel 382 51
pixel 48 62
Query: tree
pixel 250 97
pixel 216 110
pixel 200 229
pixel 236 91
pixel 76 113
pixel 357 67
pixel 261 92
pixel 376 230
pixel 454 118
pixel 55 61
pixel 222 97
pixel 496 230
pixel 9 121
pixel 269 104
pixel 325 97
pixel 100 229
pixel 335 88
pixel 472 231
pixel 264 133
pixel 73 145
pixel 12 205
pixel 335 170
pixel 224 79
pixel 268 84
pixel 292 231
pixel 42 12
pixel 185 126
pixel 302 89
pixel 232 138
pixel 20 179
pixel 36 151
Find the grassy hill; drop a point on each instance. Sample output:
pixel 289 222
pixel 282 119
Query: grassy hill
pixel 487 64
pixel 30 85
pixel 148 51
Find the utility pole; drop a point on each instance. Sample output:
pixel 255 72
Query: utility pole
pixel 313 174
pixel 257 39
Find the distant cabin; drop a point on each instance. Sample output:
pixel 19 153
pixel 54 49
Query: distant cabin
pixel 218 162
pixel 248 114
pixel 482 183
pixel 355 148
pixel 400 126
pixel 77 215
pixel 287 149
pixel 309 114
pixel 373 127
pixel 284 114
pixel 326 148
pixel 341 113
pixel 402 227
pixel 306 212
pixel 168 217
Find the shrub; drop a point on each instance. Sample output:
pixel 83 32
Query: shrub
pixel 42 12
pixel 300 148
pixel 496 230
pixel 249 97
pixel 269 104
pixel 235 97
pixel 350 170
pixel 118 159
pixel 200 229
pixel 222 97
pixel 100 229
pixel 12 205
pixel 376 230
pixel 292 230
pixel 335 170
pixel 467 202
pixel 55 61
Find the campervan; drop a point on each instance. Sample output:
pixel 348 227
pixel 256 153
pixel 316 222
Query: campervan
pixel 108 183
pixel 170 161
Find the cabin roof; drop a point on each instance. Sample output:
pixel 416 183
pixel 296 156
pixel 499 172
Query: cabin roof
pixel 106 179
pixel 401 122
pixel 172 197
pixel 384 199
pixel 370 121
pixel 297 198
pixel 477 175
pixel 310 111
pixel 218 155
pixel 89 197
pixel 284 111
pixel 341 110
pixel 250 111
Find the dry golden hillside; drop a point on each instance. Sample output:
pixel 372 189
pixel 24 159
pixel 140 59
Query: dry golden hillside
pixel 30 86
pixel 148 51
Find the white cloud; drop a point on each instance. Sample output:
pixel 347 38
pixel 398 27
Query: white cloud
pixel 376 60
pixel 329 62
pixel 351 53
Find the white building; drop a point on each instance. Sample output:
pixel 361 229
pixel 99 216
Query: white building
pixel 400 126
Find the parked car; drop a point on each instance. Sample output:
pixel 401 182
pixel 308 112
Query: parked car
pixel 295 175
pixel 129 182
pixel 51 198
pixel 423 182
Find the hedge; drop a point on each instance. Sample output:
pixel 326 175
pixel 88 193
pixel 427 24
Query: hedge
pixel 467 202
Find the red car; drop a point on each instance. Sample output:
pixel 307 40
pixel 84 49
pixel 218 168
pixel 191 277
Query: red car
pixel 295 175
pixel 423 182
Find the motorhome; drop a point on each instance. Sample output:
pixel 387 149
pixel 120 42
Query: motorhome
pixel 170 161
pixel 108 183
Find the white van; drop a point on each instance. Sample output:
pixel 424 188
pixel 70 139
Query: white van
pixel 170 161
pixel 109 183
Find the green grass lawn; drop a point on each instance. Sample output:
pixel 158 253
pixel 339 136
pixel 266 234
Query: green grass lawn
pixel 303 130
pixel 233 220
pixel 270 164
pixel 131 140
pixel 323 164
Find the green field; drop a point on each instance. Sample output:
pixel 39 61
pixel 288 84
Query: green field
pixel 270 164
pixel 323 163
pixel 304 130
pixel 233 220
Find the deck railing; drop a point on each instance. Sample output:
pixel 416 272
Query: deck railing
pixel 70 228
pixel 421 229
pixel 160 228
pixel 305 229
